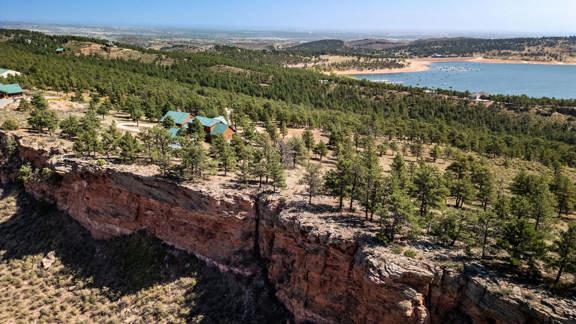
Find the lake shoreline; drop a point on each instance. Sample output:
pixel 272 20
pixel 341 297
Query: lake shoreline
pixel 423 64
pixel 533 80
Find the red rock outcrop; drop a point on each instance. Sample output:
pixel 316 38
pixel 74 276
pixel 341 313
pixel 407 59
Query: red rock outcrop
pixel 218 229
pixel 327 279
pixel 320 274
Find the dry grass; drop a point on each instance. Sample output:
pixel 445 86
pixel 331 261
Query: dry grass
pixel 51 271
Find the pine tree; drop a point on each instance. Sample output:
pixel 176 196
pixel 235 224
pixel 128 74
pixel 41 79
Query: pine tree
pixel 416 149
pixel 435 153
pixel 90 121
pixel 312 179
pixel 104 108
pixel 195 161
pixel 260 168
pixel 487 223
pixel 136 115
pixel 283 129
pixel 129 148
pixel 543 204
pixel 87 143
pixel 371 180
pixel 382 148
pixel 161 146
pixel 394 147
pixel 296 150
pixel 248 128
pixel 565 192
pixel 397 214
pixel 522 241
pixel 168 122
pixel 245 155
pixel 338 180
pixel 111 140
pixel 483 179
pixel 308 139
pixel 399 172
pixel 78 97
pixel 41 118
pixel 272 130
pixel 429 189
pixel 262 157
pixel 354 178
pixel 276 171
pixel 461 189
pixel 321 150
pixel 565 252
pixel 196 129
pixel 223 153
pixel 452 226
pixel 70 127
pixel 524 184
pixel 134 108
pixel 39 102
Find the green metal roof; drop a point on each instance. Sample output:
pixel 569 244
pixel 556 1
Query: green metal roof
pixel 10 88
pixel 221 119
pixel 173 131
pixel 205 121
pixel 60 49
pixel 219 129
pixel 178 116
pixel 3 70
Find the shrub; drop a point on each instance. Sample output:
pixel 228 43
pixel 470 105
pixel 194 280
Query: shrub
pixel 10 125
pixel 45 173
pixel 25 173
pixel 410 253
pixel 396 249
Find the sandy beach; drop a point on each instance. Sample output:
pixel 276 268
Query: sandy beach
pixel 423 64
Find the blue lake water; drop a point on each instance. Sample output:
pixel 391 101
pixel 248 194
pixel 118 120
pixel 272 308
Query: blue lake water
pixel 534 80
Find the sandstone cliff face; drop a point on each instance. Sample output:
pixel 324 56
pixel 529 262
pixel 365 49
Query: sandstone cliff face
pixel 320 275
pixel 327 279
pixel 216 229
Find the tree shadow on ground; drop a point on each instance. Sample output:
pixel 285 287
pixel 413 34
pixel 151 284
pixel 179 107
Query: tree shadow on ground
pixel 128 264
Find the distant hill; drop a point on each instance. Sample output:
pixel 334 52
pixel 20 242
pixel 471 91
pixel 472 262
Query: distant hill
pixel 336 46
pixel 544 49
pixel 374 44
pixel 324 46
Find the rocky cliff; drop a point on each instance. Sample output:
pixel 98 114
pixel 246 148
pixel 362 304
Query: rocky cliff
pixel 322 274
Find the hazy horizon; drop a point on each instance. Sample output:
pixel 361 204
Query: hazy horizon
pixel 514 17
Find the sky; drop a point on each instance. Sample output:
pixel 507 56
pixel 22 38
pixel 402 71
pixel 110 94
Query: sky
pixel 458 16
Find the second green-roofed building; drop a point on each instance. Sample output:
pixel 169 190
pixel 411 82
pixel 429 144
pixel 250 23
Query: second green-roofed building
pixel 217 126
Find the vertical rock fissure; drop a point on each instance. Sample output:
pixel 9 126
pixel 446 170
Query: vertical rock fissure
pixel 257 212
pixel 350 305
pixel 436 283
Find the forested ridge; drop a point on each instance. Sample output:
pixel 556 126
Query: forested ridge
pixel 463 46
pixel 542 48
pixel 299 97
